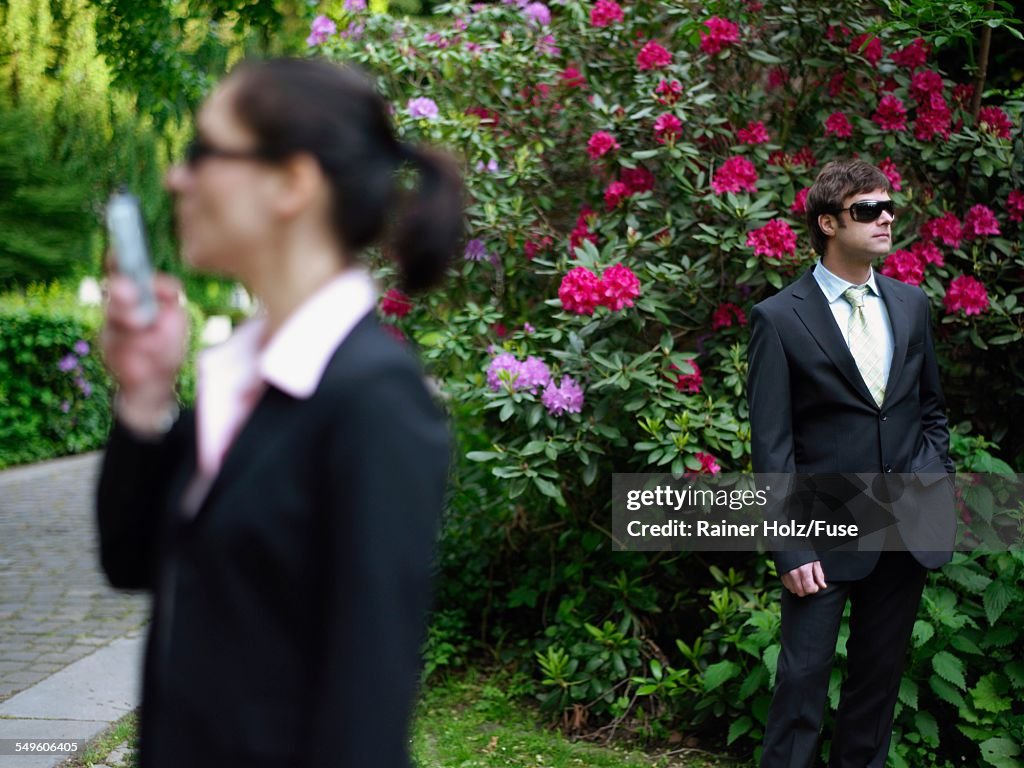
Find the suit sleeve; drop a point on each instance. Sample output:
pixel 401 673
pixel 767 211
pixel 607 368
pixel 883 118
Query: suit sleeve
pixel 934 424
pixel 389 474
pixel 771 422
pixel 130 496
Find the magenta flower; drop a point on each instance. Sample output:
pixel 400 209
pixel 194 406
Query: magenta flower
pixel 580 291
pixel 668 128
pixel 600 144
pixel 725 314
pixel 721 34
pixel 945 228
pixel 754 133
pixel 321 29
pixel 567 397
pixel 911 56
pixel 904 265
pixel 504 362
pixel 689 382
pixel 967 294
pixel 776 240
pixel 537 14
pixel 1015 205
pixel 475 250
pixel 980 221
pixel 888 167
pixel 571 77
pixel 891 115
pixel 924 83
pixel 933 122
pixel 735 175
pixel 615 194
pixel 708 463
pixel 668 91
pixel 653 56
pixel 395 303
pixel 605 12
pixel 838 125
pixel 619 286
pixel 637 179
pixel 422 107
pixel 869 49
pixel 799 206
pixel 995 121
pixel 548 46
pixel 928 252
pixel 777 77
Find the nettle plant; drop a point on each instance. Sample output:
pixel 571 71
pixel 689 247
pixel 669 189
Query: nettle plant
pixel 636 175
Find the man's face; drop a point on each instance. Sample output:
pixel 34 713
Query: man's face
pixel 859 241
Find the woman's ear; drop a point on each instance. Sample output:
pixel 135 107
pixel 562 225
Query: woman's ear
pixel 301 184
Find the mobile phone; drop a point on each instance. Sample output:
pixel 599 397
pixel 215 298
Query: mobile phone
pixel 128 238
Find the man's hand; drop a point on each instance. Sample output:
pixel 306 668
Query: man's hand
pixel 805 580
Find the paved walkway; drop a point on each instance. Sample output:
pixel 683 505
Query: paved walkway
pixel 63 631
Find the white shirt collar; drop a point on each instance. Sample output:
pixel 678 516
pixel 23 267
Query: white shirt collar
pixel 833 286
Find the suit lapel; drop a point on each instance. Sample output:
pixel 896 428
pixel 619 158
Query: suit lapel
pixel 900 324
pixel 816 315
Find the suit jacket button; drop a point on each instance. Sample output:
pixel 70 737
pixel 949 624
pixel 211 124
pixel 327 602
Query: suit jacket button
pixel 884 417
pixel 888 467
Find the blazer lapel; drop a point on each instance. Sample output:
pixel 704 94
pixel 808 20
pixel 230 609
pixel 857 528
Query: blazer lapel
pixel 814 312
pixel 899 321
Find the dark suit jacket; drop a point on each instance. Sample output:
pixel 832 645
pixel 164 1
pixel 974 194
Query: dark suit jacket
pixel 810 411
pixel 289 613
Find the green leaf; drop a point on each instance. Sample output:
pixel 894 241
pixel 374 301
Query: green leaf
pixel 928 728
pixel 908 693
pixel 1000 752
pixel 945 691
pixel 949 668
pixel 996 600
pixel 720 673
pixel 923 632
pixel 547 488
pixel 968 578
pixel 506 411
pixel 775 279
pixel 1015 674
pixel 739 728
pixel 988 694
pixel 482 455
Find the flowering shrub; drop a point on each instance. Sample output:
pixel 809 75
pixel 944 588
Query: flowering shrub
pixel 637 177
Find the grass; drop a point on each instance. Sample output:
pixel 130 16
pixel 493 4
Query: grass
pixel 470 721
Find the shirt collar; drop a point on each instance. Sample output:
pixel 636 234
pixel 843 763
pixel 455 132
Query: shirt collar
pixel 833 286
pixel 296 356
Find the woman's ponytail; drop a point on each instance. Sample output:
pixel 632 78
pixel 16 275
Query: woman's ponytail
pixel 430 223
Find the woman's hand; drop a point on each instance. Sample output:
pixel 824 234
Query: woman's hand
pixel 144 360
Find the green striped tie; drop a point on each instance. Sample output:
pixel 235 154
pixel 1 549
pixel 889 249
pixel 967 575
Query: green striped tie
pixel 864 347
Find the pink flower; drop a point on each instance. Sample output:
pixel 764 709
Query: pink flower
pixel 582 230
pixel 600 144
pixel 837 84
pixel 776 240
pixel 619 287
pixel 869 49
pixel 720 35
pixel 905 266
pixel 537 14
pixel 911 56
pixel 891 115
pixel 580 291
pixel 422 107
pixel 669 91
pixel 395 303
pixel 995 121
pixel 637 179
pixel 735 175
pixel 724 315
pixel 777 77
pixel 979 222
pixel 924 83
pixel 708 463
pixel 967 294
pixel 804 157
pixel 567 397
pixel 668 128
pixel 1015 205
pixel 689 382
pixel 799 206
pixel 933 122
pixel 888 167
pixel 928 252
pixel 838 125
pixel 945 228
pixel 962 93
pixel 572 78
pixel 321 29
pixel 754 133
pixel 615 194
pixel 653 56
pixel 605 12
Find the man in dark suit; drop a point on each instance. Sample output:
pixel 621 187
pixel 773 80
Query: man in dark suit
pixel 843 379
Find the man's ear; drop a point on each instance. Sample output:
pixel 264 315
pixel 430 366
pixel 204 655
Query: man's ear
pixel 827 224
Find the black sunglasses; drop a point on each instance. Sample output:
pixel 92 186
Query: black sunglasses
pixel 869 210
pixel 199 150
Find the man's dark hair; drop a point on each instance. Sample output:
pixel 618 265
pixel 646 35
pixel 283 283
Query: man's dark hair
pixel 837 181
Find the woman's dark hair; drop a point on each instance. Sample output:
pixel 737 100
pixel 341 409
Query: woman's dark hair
pixel 837 181
pixel 334 114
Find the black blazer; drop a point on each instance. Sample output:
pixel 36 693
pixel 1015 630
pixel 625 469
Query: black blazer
pixel 289 613
pixel 810 411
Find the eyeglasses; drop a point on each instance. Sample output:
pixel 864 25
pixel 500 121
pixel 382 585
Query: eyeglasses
pixel 199 150
pixel 869 210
